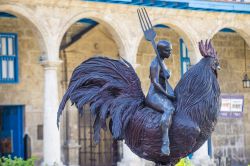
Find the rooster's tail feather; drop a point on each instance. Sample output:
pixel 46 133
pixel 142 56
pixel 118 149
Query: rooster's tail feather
pixel 110 87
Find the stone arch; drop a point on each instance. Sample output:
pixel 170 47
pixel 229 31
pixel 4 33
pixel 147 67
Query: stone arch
pixel 186 32
pixel 28 15
pixel 237 27
pixel 109 21
pixel 233 50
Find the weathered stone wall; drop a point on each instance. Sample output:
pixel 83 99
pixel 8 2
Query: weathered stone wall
pixel 29 90
pixel 97 41
pixel 231 136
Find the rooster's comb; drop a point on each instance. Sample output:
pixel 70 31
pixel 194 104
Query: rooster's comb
pixel 206 49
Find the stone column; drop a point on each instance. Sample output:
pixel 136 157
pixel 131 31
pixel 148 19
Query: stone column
pixel 51 134
pixel 73 134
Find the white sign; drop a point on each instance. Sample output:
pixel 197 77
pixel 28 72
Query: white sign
pixel 232 105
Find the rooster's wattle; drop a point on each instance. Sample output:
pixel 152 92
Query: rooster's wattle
pixel 112 89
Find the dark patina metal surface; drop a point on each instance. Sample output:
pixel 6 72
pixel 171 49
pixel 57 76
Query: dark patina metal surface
pixel 165 126
pixel 161 94
pixel 113 90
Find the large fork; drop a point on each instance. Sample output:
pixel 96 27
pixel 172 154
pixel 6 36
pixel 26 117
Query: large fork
pixel 150 34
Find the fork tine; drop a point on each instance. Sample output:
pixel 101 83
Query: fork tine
pixel 146 19
pixel 150 25
pixel 140 18
pixel 143 20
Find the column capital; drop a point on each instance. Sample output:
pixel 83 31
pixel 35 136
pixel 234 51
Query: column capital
pixel 51 64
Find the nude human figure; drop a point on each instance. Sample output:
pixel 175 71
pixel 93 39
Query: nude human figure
pixel 161 94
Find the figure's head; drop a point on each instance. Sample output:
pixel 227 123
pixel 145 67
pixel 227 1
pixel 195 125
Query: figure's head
pixel 164 48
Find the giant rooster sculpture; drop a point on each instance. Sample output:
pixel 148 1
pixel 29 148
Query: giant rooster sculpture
pixel 113 89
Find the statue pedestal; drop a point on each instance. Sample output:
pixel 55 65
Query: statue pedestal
pixel 129 158
pixel 201 157
pixel 148 163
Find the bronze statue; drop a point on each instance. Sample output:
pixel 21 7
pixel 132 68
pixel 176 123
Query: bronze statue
pixel 113 91
pixel 161 94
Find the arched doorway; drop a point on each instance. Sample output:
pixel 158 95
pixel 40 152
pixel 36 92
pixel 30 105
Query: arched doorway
pixel 84 39
pixel 21 82
pixel 230 136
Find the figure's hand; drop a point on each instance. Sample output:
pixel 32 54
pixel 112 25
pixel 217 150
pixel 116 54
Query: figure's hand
pixel 170 97
pixel 170 92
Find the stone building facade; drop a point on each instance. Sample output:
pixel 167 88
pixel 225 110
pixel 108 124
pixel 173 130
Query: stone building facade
pixel 44 68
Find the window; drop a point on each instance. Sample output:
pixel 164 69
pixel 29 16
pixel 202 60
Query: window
pixel 185 60
pixel 8 58
pixel 40 132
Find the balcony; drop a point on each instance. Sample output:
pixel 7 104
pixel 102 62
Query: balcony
pixel 231 6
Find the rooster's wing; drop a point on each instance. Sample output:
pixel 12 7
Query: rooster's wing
pixel 183 134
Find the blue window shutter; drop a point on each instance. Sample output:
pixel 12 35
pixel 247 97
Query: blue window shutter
pixel 8 58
